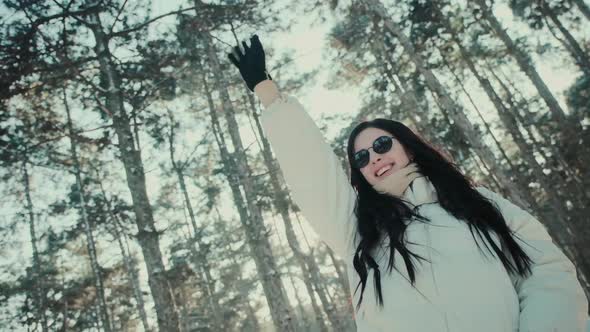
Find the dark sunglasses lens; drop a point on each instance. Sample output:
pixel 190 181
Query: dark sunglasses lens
pixel 382 144
pixel 361 159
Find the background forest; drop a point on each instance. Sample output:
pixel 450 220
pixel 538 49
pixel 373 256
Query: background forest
pixel 138 191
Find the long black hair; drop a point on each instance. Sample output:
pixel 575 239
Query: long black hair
pixel 384 215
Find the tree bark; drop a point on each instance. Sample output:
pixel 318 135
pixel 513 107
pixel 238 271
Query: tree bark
pixel 147 235
pixel 90 243
pixel 39 291
pixel 130 266
pixel 341 272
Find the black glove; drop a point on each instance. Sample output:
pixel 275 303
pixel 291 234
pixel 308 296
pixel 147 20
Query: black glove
pixel 251 64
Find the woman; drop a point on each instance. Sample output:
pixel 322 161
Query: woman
pixel 426 250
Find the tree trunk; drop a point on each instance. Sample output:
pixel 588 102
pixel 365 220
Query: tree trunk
pixel 199 257
pixel 455 112
pixel 39 289
pixel 130 266
pixel 582 191
pixel 238 174
pixel 341 272
pixel 90 243
pixel 525 64
pixel 147 235
pixel 498 104
pixel 64 325
pixel 328 305
pixel 583 8
pixel 305 321
pixel 252 319
pixel 133 280
pixel 578 53
pixel 250 312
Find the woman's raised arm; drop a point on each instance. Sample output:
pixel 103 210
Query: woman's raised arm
pixel 311 169
pixel 318 184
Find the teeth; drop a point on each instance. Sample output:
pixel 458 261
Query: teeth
pixel 384 169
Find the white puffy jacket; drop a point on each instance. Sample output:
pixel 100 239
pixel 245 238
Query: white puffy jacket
pixel 461 291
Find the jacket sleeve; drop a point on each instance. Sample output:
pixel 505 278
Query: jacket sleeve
pixel 312 171
pixel 551 298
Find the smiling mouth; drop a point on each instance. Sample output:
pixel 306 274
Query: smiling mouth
pixel 379 172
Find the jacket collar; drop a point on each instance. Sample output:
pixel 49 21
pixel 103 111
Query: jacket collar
pixel 420 191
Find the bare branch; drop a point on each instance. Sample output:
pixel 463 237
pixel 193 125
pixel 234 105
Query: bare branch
pixel 117 17
pixel 76 134
pixel 146 23
pixel 74 14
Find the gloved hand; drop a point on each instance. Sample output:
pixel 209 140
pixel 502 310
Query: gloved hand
pixel 251 64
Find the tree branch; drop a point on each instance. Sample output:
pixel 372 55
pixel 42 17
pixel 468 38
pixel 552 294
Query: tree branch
pixel 117 17
pixel 67 13
pixel 146 23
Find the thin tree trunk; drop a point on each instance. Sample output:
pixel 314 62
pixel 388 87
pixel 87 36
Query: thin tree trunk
pixel 130 266
pixel 581 192
pixel 554 153
pixel 524 62
pixel 343 280
pixel 578 54
pixel 39 290
pixel 147 235
pixel 496 101
pixel 305 321
pixel 90 243
pixel 583 8
pixel 507 159
pixel 251 314
pixel 238 173
pixel 200 258
pixel 64 326
pixel 341 272
pixel 252 319
pixel 455 112
pixel 328 305
pixel 133 279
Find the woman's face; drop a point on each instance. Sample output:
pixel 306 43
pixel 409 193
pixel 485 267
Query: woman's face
pixel 390 162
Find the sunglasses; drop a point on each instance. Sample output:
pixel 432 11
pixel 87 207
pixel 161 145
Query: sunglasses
pixel 381 145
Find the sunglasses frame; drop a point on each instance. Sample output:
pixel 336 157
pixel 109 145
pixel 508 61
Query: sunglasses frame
pixel 368 154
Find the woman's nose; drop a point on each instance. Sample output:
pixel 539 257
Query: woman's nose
pixel 374 157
